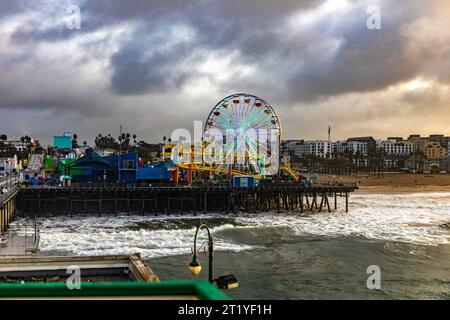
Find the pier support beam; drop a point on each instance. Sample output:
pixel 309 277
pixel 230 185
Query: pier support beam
pixel 335 200
pixel 346 202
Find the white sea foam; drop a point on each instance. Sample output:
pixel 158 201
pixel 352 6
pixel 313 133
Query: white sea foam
pixel 150 236
pixel 414 218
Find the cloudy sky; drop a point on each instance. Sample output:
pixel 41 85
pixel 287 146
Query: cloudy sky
pixel 155 66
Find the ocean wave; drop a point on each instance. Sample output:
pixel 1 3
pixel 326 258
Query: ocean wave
pixel 413 218
pixel 118 235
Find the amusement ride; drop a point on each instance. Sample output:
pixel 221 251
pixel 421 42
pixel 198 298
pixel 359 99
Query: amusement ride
pixel 242 137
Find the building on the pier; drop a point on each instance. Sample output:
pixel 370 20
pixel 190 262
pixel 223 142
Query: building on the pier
pixel 157 172
pixel 63 142
pixel 94 168
pixel 90 168
pixel 126 166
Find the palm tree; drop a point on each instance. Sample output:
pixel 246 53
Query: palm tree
pixel 380 155
pixel 74 141
pixel 349 155
pixel 22 139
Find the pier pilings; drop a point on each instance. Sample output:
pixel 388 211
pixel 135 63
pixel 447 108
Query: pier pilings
pixel 7 208
pixel 179 200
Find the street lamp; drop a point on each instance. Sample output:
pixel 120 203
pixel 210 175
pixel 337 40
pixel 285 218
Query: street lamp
pixel 223 282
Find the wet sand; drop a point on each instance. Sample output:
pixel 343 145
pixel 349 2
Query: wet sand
pixel 394 182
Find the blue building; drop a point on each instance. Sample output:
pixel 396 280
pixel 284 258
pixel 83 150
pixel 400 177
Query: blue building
pixel 94 168
pixel 126 166
pixel 63 142
pixel 159 172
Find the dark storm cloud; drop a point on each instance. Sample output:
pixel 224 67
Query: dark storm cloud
pixel 7 7
pixel 365 61
pixel 128 52
pixel 138 70
pixel 218 25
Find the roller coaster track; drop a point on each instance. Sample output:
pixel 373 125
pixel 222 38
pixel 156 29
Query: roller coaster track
pixel 291 172
pixel 196 167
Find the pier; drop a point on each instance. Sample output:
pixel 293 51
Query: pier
pixel 7 208
pixel 15 240
pixel 100 200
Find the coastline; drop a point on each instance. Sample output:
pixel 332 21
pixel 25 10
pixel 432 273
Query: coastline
pixel 393 182
pixel 402 189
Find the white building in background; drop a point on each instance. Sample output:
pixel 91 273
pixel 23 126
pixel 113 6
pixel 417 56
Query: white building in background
pixel 338 147
pixel 378 143
pixel 293 146
pixel 396 147
pixel 324 149
pixel 318 148
pixel 8 165
pixel 357 147
pixel 18 144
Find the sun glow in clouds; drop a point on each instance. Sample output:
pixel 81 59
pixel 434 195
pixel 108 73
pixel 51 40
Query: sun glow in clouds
pixel 307 18
pixel 417 84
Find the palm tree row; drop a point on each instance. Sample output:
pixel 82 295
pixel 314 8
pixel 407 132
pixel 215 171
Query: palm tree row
pixel 349 162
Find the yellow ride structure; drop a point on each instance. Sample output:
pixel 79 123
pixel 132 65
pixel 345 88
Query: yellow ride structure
pixel 187 165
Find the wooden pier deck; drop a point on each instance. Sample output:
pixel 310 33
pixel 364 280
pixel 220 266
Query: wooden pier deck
pixel 166 200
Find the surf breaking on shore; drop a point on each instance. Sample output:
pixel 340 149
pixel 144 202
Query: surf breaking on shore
pixel 418 218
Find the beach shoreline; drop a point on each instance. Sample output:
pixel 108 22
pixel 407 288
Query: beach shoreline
pixel 402 189
pixel 392 182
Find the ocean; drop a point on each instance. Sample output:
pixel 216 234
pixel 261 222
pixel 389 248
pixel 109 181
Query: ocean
pixel 286 256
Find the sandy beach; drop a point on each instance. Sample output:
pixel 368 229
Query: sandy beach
pixel 394 182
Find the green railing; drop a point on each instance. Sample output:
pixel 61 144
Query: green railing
pixel 202 290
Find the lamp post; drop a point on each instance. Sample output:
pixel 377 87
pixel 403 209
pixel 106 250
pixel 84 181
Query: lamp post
pixel 223 282
pixel 194 266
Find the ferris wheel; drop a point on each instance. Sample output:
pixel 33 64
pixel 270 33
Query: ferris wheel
pixel 251 132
